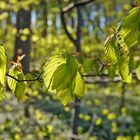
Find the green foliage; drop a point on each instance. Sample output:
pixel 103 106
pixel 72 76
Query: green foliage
pixel 130 27
pixel 79 86
pixel 117 45
pixel 110 49
pixel 62 77
pixel 124 68
pixel 3 63
pixel 62 73
pixel 16 87
pixel 138 72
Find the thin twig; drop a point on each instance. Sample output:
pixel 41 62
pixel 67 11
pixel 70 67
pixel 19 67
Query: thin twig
pixel 64 24
pixel 74 5
pixel 26 80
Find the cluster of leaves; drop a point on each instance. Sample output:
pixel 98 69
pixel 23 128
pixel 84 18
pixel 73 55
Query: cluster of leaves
pixel 61 76
pixel 118 45
pixel 61 73
pixel 16 72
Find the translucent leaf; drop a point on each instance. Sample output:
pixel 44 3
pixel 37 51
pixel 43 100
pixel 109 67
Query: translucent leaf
pixel 66 95
pixel 79 85
pixel 131 27
pixel 138 72
pixel 65 73
pixel 112 71
pixel 3 63
pixel 62 77
pixel 16 87
pixel 49 69
pixel 124 68
pixel 2 95
pixel 110 49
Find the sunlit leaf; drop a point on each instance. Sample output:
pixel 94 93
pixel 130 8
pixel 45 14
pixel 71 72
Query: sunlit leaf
pixel 65 73
pixel 130 27
pixel 124 68
pixel 16 87
pixel 2 95
pixel 66 95
pixel 49 69
pixel 138 72
pixel 3 63
pixel 79 87
pixel 61 76
pixel 110 49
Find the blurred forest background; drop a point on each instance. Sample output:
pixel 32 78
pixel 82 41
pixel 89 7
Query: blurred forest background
pixel 42 28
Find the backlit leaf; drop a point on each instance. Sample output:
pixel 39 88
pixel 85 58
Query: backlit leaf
pixel 124 68
pixel 138 72
pixel 61 76
pixel 130 27
pixel 3 63
pixel 49 69
pixel 110 49
pixel 79 87
pixel 65 73
pixel 16 87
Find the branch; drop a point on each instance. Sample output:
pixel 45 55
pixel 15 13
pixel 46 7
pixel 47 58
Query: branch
pixel 67 9
pixel 95 75
pixel 64 24
pixel 35 75
pixel 74 5
pixel 29 80
pixel 105 79
pixel 103 82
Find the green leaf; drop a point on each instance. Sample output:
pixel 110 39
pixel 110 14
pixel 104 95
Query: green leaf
pixel 124 68
pixel 16 87
pixel 110 49
pixel 65 73
pixel 3 63
pixel 61 76
pixel 88 64
pixel 49 69
pixel 131 27
pixel 79 85
pixel 2 95
pixel 112 71
pixel 66 95
pixel 80 58
pixel 32 75
pixel 138 72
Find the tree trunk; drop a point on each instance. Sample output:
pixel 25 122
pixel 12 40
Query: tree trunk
pixel 44 12
pixel 23 46
pixel 77 100
pixel 23 21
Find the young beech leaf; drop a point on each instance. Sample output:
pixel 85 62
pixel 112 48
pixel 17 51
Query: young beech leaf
pixel 65 73
pixel 16 87
pixel 66 95
pixel 49 69
pixel 138 72
pixel 110 49
pixel 79 85
pixel 124 68
pixel 130 27
pixel 61 76
pixel 2 96
pixel 3 63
